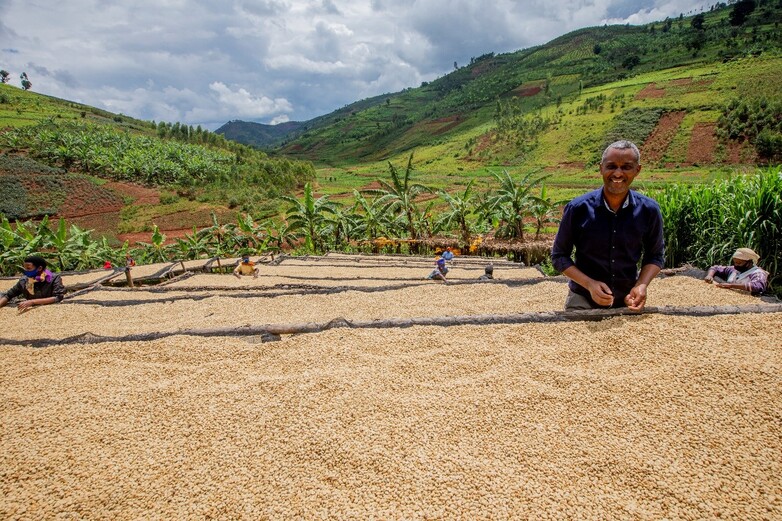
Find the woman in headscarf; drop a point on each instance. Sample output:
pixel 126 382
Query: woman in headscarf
pixel 744 273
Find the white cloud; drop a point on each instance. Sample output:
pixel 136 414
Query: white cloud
pixel 249 106
pixel 206 63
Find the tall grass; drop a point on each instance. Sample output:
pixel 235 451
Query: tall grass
pixel 705 224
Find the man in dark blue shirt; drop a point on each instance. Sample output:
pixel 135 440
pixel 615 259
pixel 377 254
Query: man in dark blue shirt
pixel 611 229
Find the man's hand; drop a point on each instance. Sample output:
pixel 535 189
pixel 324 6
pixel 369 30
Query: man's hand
pixel 601 293
pixel 25 305
pixel 709 279
pixel 636 299
pixel 237 275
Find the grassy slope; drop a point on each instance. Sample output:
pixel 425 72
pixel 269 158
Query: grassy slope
pixel 443 120
pixel 448 123
pixel 88 200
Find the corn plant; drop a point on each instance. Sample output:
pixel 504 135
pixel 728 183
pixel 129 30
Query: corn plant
pixel 705 224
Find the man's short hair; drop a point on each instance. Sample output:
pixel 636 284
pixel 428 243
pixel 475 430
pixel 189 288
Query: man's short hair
pixel 622 144
pixel 35 260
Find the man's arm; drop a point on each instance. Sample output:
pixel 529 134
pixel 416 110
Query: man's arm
pixel 12 293
pixel 27 304
pixel 562 261
pixel 756 283
pixel 653 261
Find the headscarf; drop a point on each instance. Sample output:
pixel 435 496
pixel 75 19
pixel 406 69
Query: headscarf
pixel 747 255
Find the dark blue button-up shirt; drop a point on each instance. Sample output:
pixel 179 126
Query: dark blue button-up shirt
pixel 609 245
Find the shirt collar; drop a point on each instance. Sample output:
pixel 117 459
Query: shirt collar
pixel 625 204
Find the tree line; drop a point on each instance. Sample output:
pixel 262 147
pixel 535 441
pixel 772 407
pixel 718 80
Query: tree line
pixel 703 224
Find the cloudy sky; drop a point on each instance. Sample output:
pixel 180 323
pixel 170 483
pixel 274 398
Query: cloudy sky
pixel 211 61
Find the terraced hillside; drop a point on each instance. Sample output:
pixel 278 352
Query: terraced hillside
pixel 350 387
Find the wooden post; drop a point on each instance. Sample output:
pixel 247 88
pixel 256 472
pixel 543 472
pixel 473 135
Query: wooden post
pixel 219 267
pixel 129 277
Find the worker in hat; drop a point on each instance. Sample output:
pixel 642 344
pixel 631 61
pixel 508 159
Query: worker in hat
pixel 39 286
pixel 488 273
pixel 440 270
pixel 447 254
pixel 246 267
pixel 744 273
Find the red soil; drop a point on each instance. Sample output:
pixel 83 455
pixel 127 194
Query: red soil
pixel 657 143
pixel 650 91
pixel 443 125
pixel 525 92
pixel 702 144
pixel 140 194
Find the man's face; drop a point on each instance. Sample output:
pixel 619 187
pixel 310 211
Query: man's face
pixel 29 266
pixel 618 170
pixel 742 265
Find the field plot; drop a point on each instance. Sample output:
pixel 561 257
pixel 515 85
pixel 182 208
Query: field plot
pixel 634 417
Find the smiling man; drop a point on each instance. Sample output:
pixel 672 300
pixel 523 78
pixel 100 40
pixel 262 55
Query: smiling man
pixel 611 230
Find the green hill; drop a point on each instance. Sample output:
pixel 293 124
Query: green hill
pixel 257 134
pixel 119 176
pixel 558 103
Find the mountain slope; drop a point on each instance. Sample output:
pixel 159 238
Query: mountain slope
pixel 466 107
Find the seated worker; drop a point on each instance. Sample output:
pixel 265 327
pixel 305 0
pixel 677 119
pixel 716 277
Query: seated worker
pixel 39 286
pixel 488 273
pixel 440 271
pixel 447 254
pixel 246 268
pixel 743 274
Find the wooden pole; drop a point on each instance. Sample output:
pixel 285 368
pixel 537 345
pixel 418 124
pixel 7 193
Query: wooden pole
pixel 129 277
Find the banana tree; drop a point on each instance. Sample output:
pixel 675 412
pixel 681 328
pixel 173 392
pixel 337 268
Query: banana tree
pixel 461 209
pixel 155 251
pixel 401 194
pixel 68 247
pixel 18 243
pixel 192 246
pixel 279 234
pixel 511 203
pixel 251 231
pixel 372 218
pixel 544 210
pixel 341 224
pixel 307 217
